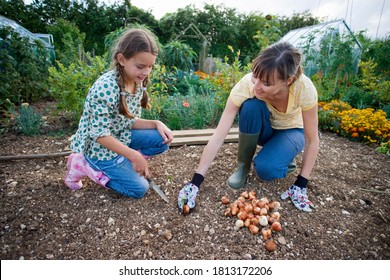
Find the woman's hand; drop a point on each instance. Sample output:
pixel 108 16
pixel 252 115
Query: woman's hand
pixel 187 196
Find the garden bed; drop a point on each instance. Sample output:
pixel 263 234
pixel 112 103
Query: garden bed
pixel 42 219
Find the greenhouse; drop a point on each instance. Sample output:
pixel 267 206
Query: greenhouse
pixel 322 40
pixel 46 39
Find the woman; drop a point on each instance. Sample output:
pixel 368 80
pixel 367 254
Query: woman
pixel 277 107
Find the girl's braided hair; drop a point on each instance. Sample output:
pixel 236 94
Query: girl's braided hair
pixel 130 43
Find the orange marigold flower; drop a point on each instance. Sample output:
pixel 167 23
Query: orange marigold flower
pixel 355 135
pixel 186 104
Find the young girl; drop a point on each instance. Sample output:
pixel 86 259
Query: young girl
pixel 277 107
pixel 111 137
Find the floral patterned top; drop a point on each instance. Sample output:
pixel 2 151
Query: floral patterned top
pixel 101 117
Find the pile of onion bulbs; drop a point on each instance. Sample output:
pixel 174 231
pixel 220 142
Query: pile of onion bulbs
pixel 258 215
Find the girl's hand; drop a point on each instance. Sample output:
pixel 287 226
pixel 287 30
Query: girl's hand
pixel 165 132
pixel 140 164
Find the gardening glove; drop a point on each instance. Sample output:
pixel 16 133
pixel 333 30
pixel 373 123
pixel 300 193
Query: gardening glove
pixel 298 194
pixel 187 195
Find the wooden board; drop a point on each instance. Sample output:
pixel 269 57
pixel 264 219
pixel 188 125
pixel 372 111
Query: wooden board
pixel 199 132
pixel 200 137
pixel 181 137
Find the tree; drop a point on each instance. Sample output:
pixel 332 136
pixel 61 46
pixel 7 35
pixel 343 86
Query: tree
pixel 297 20
pixel 219 25
pixel 15 10
pixel 68 41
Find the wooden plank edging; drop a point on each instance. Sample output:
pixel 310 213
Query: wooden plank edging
pixel 181 138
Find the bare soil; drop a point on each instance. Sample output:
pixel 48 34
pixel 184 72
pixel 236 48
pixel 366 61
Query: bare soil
pixel 42 219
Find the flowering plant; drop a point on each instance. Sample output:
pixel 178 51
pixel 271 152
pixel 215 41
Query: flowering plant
pixel 364 125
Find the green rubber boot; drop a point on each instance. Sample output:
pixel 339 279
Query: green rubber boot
pixel 292 166
pixel 247 144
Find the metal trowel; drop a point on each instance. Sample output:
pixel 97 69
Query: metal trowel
pixel 157 189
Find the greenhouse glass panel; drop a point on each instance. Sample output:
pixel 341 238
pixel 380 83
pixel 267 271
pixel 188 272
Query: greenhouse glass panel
pixel 327 47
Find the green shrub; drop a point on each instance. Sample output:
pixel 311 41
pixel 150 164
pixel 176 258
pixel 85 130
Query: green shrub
pixel 386 109
pixel 23 68
pixel 228 74
pixel 28 120
pixel 68 41
pixel 384 148
pixel 184 112
pixel 357 98
pixel 70 85
pixel 185 83
pixel 179 55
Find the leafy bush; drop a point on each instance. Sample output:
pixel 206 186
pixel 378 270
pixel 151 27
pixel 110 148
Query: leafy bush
pixel 190 82
pixel 367 89
pixel 160 80
pixel 378 86
pixel 226 76
pixel 28 121
pixel 378 52
pixel 70 85
pixel 184 112
pixel 179 55
pixel 384 148
pixel 23 68
pixel 386 109
pixel 357 98
pixel 69 41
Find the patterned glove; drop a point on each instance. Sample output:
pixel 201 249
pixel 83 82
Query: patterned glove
pixel 187 195
pixel 298 194
pixel 299 198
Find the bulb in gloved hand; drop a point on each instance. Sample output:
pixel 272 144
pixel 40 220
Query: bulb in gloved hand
pixel 186 209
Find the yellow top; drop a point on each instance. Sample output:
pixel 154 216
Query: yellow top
pixel 302 97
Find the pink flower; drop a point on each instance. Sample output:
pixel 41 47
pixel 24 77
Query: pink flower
pixel 186 104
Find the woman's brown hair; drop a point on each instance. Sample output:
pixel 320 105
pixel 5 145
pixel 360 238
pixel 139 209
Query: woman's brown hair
pixel 130 43
pixel 280 57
